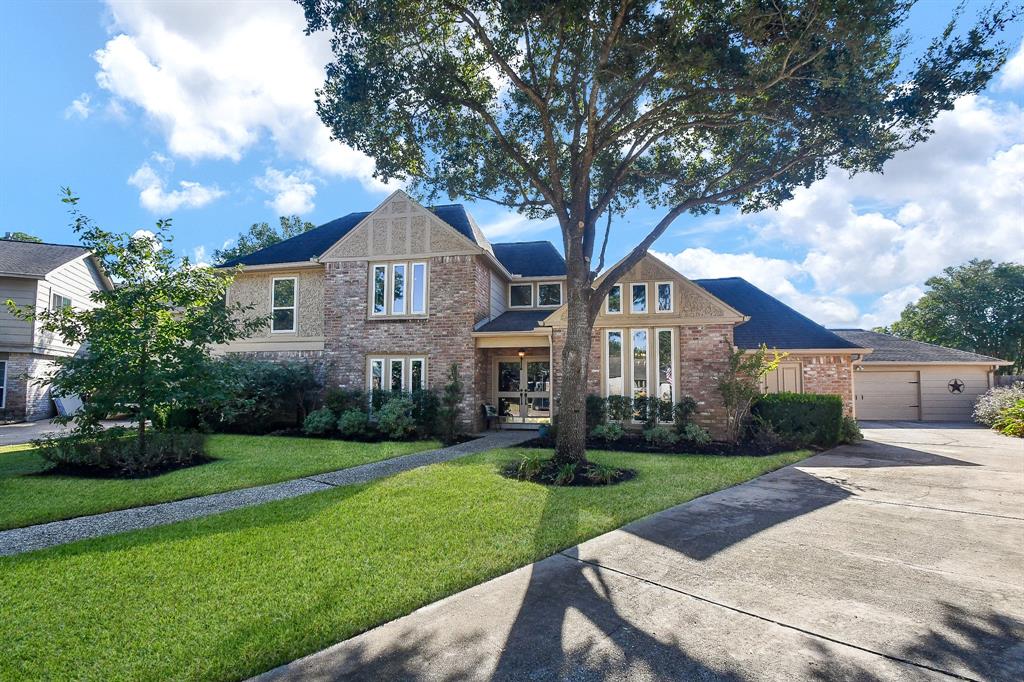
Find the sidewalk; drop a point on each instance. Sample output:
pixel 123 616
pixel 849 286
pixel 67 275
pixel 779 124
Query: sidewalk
pixel 30 538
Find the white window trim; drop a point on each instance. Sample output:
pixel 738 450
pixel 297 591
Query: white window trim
pixel 673 360
pixel 3 383
pixel 294 307
pixel 608 360
pixel 647 298
pixel 632 366
pixel 411 277
pixel 561 294
pixel 373 288
pixel 671 297
pixel 401 379
pixel 533 297
pixel 423 372
pixel 405 283
pixel 607 310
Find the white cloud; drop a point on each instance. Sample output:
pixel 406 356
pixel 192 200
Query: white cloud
pixel 513 225
pixel 1011 76
pixel 219 77
pixel 199 257
pixel 154 196
pixel 293 192
pixel 79 107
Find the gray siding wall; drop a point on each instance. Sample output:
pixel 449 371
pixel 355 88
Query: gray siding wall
pixel 76 280
pixel 498 292
pixel 15 334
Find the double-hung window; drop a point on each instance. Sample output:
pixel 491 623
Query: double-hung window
pixel 398 289
pixel 59 301
pixel 283 305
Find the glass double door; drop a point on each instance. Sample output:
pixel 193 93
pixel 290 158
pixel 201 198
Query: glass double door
pixel 524 390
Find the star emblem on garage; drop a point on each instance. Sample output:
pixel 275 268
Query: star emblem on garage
pixel 956 386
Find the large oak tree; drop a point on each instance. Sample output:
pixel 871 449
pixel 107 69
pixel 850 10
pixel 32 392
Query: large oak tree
pixel 582 111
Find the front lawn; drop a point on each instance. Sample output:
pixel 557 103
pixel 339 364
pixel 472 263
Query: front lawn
pixel 241 462
pixel 232 595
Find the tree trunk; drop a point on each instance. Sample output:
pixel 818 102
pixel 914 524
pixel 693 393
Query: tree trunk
pixel 572 391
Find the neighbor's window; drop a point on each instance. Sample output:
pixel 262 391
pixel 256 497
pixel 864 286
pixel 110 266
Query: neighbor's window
pixel 398 289
pixel 613 304
pixel 57 302
pixel 549 294
pixel 639 300
pixel 283 305
pixel 639 342
pixel 664 297
pixel 417 378
pixel 614 369
pixel 419 289
pixel 380 280
pixel 520 295
pixel 3 383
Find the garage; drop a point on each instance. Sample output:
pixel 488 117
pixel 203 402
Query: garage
pixel 907 380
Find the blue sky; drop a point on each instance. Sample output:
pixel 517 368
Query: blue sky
pixel 204 112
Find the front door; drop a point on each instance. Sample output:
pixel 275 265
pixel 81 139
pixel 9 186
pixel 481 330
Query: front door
pixel 524 390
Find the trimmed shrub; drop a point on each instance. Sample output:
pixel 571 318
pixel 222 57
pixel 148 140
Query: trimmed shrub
pixel 661 436
pixel 426 406
pixel 992 403
pixel 394 419
pixel 1010 421
pixel 803 418
pixel 694 433
pixel 115 452
pixel 255 396
pixel 355 425
pixel 849 431
pixel 764 437
pixel 340 400
pixel 608 433
pixel 682 413
pixel 378 397
pixel 319 422
pixel 620 408
pixel 597 411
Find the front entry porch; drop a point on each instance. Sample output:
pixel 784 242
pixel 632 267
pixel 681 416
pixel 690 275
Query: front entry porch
pixel 516 374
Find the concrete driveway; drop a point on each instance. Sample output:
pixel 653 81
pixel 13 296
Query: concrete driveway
pixel 900 558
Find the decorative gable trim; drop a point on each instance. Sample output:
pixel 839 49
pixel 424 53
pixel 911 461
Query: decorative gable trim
pixel 399 228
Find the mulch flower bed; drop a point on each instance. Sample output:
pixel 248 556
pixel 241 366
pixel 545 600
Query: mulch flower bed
pixel 636 443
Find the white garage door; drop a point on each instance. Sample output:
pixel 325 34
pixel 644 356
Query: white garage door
pixel 887 395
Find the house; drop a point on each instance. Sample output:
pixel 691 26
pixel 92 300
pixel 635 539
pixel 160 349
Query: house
pixel 392 297
pixel 39 275
pixel 904 379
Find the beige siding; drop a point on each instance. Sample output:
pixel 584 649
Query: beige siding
pixel 937 402
pixel 76 280
pixel 253 289
pixel 888 395
pixel 15 334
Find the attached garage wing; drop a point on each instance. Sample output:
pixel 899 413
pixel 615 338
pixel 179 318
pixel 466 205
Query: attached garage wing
pixel 887 395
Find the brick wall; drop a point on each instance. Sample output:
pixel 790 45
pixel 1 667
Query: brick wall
pixel 443 337
pixel 703 358
pixel 829 374
pixel 25 400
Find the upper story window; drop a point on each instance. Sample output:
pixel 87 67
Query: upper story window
pixel 398 289
pixel 549 294
pixel 283 305
pixel 638 300
pixel 520 295
pixel 59 301
pixel 664 290
pixel 613 304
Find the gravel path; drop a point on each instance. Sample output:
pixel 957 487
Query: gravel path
pixel 18 540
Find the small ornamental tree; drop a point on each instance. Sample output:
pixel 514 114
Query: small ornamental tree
pixel 451 399
pixel 581 110
pixel 740 386
pixel 146 343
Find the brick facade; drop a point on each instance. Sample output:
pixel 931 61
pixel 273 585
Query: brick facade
pixel 26 399
pixel 703 358
pixel 828 374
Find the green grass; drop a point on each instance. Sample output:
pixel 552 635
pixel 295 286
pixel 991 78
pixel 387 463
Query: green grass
pixel 229 596
pixel 242 461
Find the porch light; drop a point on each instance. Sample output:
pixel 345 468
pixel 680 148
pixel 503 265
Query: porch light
pixel 522 353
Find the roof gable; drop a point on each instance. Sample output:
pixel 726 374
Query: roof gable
pixel 772 323
pixel 888 348
pixel 530 259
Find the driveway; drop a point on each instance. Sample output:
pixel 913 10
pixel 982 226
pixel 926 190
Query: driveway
pixel 899 558
pixel 26 432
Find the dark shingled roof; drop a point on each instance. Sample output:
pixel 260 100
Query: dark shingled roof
pixel 772 322
pixel 892 349
pixel 32 259
pixel 312 244
pixel 530 259
pixel 515 321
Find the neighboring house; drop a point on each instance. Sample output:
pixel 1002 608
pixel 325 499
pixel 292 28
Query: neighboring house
pixel 42 276
pixel 904 379
pixel 391 298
